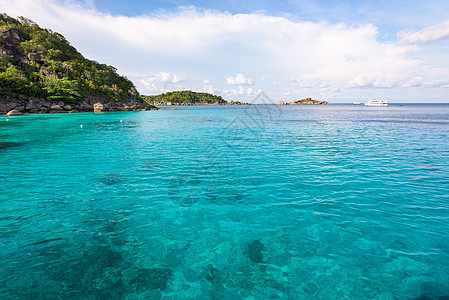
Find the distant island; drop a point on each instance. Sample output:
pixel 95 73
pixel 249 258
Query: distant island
pixel 188 98
pixel 306 101
pixel 40 72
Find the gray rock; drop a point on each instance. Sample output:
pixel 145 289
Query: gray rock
pixel 68 107
pixel 46 104
pixel 34 56
pixel 4 108
pixel 31 105
pixel 13 105
pixel 14 34
pixel 14 113
pixel 56 107
pixel 49 73
pixel 60 103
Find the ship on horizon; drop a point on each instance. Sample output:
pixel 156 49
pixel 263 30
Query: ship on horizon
pixel 377 103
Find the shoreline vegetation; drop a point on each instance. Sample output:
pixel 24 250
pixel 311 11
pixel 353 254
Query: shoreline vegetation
pixel 40 72
pixel 189 98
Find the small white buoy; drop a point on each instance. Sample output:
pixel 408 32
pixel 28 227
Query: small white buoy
pixel 7 120
pixel 81 126
pixel 121 121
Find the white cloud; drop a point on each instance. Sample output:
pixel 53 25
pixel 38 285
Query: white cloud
pixel 306 82
pixel 241 91
pixel 419 81
pixel 239 79
pixel 159 82
pixel 427 35
pixel 368 80
pixel 208 89
pixel 164 77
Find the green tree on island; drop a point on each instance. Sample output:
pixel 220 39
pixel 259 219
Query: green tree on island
pixel 37 62
pixel 184 97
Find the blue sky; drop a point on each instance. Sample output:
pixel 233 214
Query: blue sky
pixel 335 50
pixel 390 15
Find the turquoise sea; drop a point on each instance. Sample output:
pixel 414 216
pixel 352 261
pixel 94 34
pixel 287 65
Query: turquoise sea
pixel 226 202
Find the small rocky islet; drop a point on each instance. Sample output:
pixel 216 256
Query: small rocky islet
pixel 306 101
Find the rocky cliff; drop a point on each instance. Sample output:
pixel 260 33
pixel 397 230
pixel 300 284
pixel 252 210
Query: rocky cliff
pixel 40 72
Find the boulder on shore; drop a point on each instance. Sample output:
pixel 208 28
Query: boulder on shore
pixel 56 107
pixel 98 107
pixel 14 113
pixel 36 105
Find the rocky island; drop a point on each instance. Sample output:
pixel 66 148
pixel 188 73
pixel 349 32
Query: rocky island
pixel 306 101
pixel 40 72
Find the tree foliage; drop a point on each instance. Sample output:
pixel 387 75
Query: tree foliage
pixel 184 97
pixel 60 72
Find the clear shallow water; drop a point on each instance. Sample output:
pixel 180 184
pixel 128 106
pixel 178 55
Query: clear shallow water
pixel 294 202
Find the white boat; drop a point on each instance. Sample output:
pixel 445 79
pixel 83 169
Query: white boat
pixel 376 103
pixel 357 103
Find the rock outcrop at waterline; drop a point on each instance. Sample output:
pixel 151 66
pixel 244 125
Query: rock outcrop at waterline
pixel 307 101
pixel 16 107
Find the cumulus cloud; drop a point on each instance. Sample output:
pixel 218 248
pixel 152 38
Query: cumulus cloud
pixel 164 77
pixel 239 79
pixel 368 80
pixel 159 82
pixel 427 35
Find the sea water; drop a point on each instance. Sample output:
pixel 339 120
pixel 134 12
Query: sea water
pixel 233 202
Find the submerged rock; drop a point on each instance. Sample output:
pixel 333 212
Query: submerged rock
pixel 102 257
pixel 149 279
pixel 210 273
pixel 7 144
pixel 255 251
pixel 111 179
